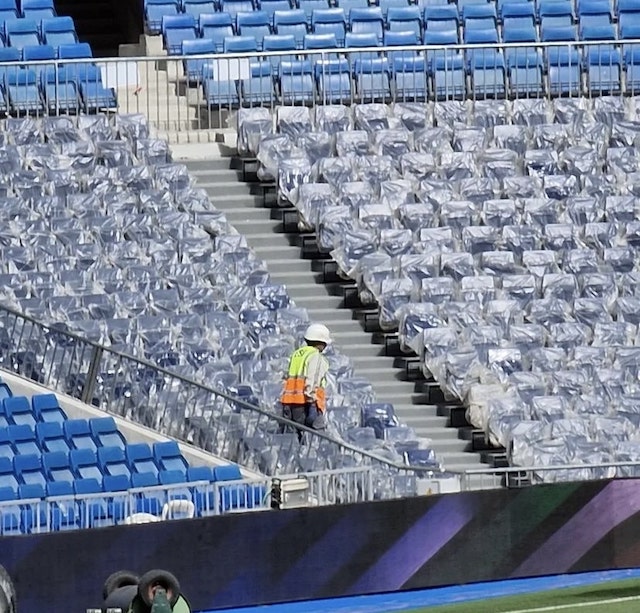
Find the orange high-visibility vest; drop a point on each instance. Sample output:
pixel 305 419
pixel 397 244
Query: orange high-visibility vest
pixel 293 392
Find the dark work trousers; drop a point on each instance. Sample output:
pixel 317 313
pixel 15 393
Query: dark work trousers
pixel 304 414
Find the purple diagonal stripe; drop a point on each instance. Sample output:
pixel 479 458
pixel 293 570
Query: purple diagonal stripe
pixel 614 504
pixel 418 544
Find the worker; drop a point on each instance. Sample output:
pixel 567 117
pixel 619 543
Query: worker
pixel 303 398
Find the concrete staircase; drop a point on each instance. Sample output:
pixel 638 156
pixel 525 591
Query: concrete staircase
pixel 418 403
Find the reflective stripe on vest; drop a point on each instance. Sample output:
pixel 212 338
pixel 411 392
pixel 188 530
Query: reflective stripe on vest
pixel 293 392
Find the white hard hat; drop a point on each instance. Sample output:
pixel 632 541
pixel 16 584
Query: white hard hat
pixel 318 333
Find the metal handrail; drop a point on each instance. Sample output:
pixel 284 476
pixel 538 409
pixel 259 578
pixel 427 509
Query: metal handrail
pixel 98 353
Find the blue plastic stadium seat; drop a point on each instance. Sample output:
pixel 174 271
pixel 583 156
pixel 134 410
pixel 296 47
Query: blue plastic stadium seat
pixel 175 30
pixel 23 439
pixel 321 41
pixel 216 28
pixel 632 68
pixel 8 11
pixel 84 464
pixel 64 513
pixel 400 39
pixel 37 9
pixel 258 88
pixel 45 407
pixel 604 70
pixel 525 71
pixel 112 461
pixel 271 6
pixel 488 72
pixel 443 38
pixel 198 7
pixel 147 501
pixel 333 77
pixel 7 473
pixel 106 433
pixel 116 483
pixel 57 466
pixel 386 5
pixel 199 473
pixel 405 19
pixel 279 42
pixel 594 12
pixel 28 469
pixel 75 51
pixel 518 15
pixel 240 44
pixel 38 53
pixel 18 408
pixel 410 75
pixel 479 16
pixel 564 70
pixel 444 17
pixel 367 20
pixel 169 457
pixel 256 25
pixel 8 63
pixel 50 437
pixel 94 511
pixel 363 40
pixel 348 5
pixel 58 31
pixel 556 13
pixel 78 434
pixel 140 458
pixel 200 46
pixel 233 7
pixel 218 91
pixel 10 522
pixel 227 472
pixel 449 77
pixel 372 79
pixel 296 82
pixel 156 10
pixel 6 448
pixel 292 22
pixel 22 33
pixel 330 21
pixel 34 512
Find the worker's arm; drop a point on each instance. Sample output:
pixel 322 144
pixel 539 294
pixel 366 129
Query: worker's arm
pixel 317 368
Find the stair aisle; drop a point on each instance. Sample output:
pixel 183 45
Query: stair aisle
pixel 325 303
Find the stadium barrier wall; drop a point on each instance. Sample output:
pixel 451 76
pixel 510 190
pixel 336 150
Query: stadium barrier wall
pixel 331 487
pixel 175 97
pixel 276 556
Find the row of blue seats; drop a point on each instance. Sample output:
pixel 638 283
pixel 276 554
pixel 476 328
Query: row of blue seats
pixel 437 28
pixel 20 410
pixel 71 88
pixel 30 9
pixel 85 440
pixel 79 433
pixel 23 32
pixel 587 10
pixel 413 78
pixel 31 514
pixel 43 468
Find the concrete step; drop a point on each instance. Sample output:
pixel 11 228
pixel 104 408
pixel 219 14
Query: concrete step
pixel 227 187
pixel 212 164
pixel 249 213
pixel 310 292
pixel 259 236
pixel 373 362
pixel 282 264
pixel 275 251
pixel 226 202
pixel 308 301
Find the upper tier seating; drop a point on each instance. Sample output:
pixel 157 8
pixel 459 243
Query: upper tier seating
pixel 501 240
pixel 595 69
pixel 126 252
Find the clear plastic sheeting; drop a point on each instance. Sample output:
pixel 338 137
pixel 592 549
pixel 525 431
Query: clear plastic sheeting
pixel 518 217
pixel 252 126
